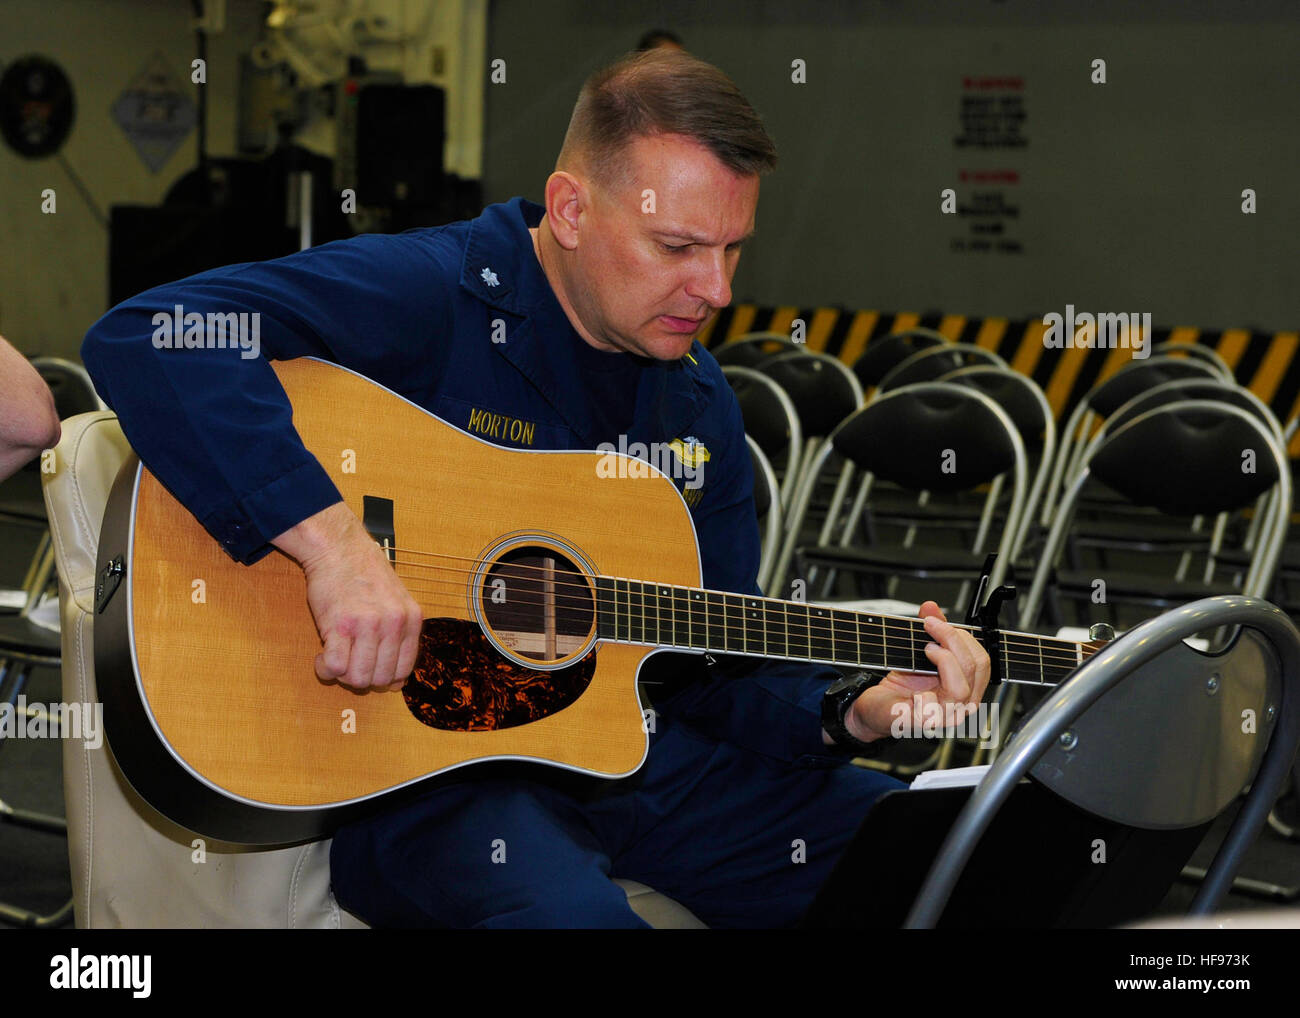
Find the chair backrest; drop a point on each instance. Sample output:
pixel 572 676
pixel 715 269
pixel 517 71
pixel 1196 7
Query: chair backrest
pixel 1026 404
pixel 1207 389
pixel 1101 401
pixel 886 352
pixel 1138 376
pixel 754 347
pixel 771 420
pixel 929 364
pixel 74 392
pixel 1113 739
pixel 1184 458
pixel 1017 394
pixel 20 496
pixel 1182 389
pixel 1196 351
pixel 823 390
pixel 929 436
pixel 131 867
pixel 767 506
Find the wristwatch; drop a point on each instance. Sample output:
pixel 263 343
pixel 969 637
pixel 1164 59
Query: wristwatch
pixel 837 700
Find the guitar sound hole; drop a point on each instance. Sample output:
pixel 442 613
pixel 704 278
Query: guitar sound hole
pixel 538 604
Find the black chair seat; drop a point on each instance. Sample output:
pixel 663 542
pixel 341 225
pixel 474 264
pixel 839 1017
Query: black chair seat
pixel 26 510
pixel 963 518
pixel 1126 584
pixel 21 497
pixel 963 509
pixel 1140 536
pixel 918 560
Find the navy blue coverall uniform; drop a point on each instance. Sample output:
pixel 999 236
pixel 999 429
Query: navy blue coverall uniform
pixel 740 810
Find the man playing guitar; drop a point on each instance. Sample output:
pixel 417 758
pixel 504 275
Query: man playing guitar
pixel 560 326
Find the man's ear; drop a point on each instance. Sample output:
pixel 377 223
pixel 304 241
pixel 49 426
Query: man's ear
pixel 566 198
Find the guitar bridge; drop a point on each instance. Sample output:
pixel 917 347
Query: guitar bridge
pixel 377 518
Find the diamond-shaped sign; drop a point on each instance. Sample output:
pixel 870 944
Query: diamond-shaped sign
pixel 155 113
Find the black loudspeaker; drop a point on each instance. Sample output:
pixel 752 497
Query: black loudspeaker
pixel 400 132
pixel 237 210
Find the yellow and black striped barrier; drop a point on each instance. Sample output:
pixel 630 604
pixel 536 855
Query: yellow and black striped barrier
pixel 1266 363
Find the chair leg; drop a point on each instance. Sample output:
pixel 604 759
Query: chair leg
pixel 1282 827
pixel 27 818
pixel 1248 887
pixel 1286 826
pixel 21 672
pixel 34 920
pixel 39 573
pixel 36 821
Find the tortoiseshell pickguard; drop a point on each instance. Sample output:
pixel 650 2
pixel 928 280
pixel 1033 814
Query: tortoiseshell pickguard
pixel 462 683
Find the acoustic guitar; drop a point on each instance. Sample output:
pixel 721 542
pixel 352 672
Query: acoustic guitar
pixel 546 579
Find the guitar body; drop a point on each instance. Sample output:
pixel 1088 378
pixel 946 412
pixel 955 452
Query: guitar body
pixel 206 667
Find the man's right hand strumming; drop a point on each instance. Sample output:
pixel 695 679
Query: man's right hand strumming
pixel 368 622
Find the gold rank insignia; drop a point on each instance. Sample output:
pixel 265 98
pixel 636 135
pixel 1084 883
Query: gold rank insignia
pixel 690 451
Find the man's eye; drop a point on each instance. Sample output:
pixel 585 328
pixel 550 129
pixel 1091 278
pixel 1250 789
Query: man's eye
pixel 673 247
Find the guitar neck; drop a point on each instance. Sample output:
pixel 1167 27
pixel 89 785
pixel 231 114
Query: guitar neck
pixel 689 618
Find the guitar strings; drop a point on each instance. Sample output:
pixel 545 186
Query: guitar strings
pixel 816 625
pixel 586 599
pixel 1031 660
pixel 1017 649
pixel 728 635
pixel 585 588
pixel 1041 646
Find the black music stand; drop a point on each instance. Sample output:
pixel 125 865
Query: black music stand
pixel 1038 866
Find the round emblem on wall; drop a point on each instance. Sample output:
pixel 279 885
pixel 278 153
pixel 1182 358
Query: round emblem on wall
pixel 36 107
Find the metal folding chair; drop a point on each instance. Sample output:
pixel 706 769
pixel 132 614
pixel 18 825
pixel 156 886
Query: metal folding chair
pixel 1112 739
pixel 1196 351
pixel 772 421
pixel 933 362
pixel 910 437
pixel 886 352
pixel 1182 459
pixel 749 350
pixel 1101 402
pixel 1027 406
pixel 25 645
pixel 824 392
pixel 767 506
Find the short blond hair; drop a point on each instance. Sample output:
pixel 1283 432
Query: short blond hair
pixel 662 91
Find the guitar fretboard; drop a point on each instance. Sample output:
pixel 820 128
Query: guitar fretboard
pixel 633 611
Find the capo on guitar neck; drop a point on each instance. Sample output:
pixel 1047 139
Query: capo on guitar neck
pixel 985 615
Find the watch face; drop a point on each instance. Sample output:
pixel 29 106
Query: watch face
pixel 36 107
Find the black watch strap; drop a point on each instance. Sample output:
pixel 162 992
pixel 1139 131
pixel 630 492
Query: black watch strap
pixel 837 700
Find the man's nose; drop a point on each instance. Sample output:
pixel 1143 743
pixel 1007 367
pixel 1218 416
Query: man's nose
pixel 712 279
